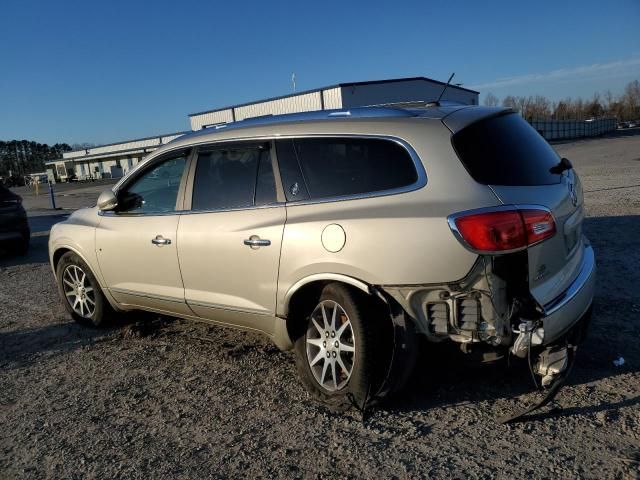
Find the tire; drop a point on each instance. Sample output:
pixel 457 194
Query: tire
pixel 78 286
pixel 343 361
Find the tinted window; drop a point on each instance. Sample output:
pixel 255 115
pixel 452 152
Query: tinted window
pixel 506 150
pixel 226 178
pixel 333 167
pixel 155 190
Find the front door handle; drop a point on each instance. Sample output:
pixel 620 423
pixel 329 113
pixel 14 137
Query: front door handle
pixel 254 241
pixel 160 240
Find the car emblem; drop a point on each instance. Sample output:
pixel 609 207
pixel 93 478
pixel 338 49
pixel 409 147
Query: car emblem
pixel 572 193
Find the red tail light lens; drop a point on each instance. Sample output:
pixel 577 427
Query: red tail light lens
pixel 539 224
pixel 504 230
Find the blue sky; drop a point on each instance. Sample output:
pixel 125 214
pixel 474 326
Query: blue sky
pixel 85 71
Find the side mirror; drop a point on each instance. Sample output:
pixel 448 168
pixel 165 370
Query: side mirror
pixel 107 201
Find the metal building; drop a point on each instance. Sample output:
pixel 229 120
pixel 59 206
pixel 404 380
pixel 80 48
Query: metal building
pixel 341 96
pixel 116 159
pixel 106 161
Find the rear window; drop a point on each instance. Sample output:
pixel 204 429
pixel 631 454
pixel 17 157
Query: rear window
pixel 335 167
pixel 506 150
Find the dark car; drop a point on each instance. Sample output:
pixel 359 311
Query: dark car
pixel 14 228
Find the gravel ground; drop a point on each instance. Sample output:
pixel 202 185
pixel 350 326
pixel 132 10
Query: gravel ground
pixel 160 397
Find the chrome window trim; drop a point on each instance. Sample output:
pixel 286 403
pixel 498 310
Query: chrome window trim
pixel 420 182
pixel 451 220
pixel 192 212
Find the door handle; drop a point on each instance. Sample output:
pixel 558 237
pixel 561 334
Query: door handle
pixel 254 241
pixel 160 240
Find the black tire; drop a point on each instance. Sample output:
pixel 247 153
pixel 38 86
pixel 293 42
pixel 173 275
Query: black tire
pixel 102 312
pixel 371 329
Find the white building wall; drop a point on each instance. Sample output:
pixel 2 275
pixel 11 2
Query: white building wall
pixel 332 98
pixel 300 103
pixel 211 118
pixel 118 147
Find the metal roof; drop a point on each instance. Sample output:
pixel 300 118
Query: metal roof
pixel 129 141
pixel 339 85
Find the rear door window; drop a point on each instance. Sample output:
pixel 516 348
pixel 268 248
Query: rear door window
pixel 506 150
pixel 336 167
pixel 233 177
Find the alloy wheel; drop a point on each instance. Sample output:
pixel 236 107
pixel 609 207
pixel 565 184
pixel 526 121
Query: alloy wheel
pixel 78 291
pixel 330 344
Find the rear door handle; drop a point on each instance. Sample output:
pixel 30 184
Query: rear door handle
pixel 160 240
pixel 254 241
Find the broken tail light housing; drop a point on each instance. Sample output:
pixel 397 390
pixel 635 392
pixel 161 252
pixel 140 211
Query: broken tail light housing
pixel 503 229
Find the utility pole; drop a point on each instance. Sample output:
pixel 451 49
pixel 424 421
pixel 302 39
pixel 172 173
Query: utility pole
pixel 293 81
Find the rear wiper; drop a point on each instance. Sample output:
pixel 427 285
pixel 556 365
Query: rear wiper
pixel 564 164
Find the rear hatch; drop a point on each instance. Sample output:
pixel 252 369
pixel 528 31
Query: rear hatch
pixel 504 152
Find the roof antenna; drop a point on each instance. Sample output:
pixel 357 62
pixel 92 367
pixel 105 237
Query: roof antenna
pixel 437 102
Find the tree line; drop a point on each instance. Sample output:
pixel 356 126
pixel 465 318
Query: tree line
pixel 625 106
pixel 20 157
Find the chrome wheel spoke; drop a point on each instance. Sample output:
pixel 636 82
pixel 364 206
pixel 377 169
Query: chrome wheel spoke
pixel 317 358
pixel 345 347
pixel 315 341
pixel 333 374
pixel 318 327
pixel 324 316
pixel 324 371
pixel 333 317
pixel 342 365
pixel 341 330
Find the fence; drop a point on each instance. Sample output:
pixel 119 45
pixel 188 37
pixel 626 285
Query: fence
pixel 564 129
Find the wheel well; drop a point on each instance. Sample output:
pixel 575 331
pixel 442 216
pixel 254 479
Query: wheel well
pixel 57 255
pixel 306 298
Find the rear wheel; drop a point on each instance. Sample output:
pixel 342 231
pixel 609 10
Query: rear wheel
pixel 81 293
pixel 341 356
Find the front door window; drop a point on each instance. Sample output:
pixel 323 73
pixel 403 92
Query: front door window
pixel 155 190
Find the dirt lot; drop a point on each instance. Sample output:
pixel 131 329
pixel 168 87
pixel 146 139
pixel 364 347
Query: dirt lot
pixel 170 398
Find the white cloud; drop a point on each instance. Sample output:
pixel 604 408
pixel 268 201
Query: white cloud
pixel 595 70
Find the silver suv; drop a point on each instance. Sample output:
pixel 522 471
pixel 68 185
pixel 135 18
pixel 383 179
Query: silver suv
pixel 347 236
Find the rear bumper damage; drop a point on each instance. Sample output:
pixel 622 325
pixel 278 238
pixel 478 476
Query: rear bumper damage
pixel 493 306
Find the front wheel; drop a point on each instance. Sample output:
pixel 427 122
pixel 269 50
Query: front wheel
pixel 341 356
pixel 81 293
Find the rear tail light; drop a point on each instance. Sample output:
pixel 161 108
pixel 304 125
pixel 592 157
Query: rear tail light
pixel 503 230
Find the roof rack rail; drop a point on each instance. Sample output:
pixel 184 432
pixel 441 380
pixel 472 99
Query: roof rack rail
pixel 411 104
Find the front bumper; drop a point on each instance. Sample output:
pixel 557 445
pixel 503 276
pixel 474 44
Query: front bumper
pixel 570 306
